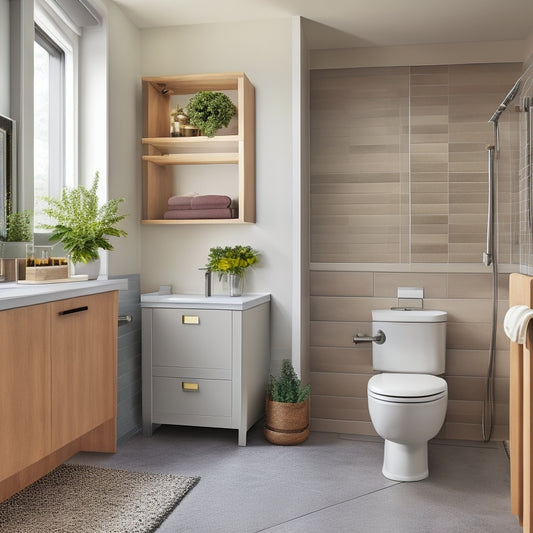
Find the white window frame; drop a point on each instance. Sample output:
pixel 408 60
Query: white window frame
pixel 61 32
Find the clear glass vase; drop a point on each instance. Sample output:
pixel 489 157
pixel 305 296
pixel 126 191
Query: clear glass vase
pixel 236 284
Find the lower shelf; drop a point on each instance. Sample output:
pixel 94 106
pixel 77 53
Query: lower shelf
pixel 197 221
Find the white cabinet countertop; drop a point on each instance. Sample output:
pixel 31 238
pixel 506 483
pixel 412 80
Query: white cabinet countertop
pixel 14 294
pixel 197 301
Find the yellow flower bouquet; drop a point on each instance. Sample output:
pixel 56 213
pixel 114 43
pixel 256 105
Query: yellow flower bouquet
pixel 231 260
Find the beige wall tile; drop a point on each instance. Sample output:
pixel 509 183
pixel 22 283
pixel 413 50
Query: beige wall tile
pixel 386 283
pixel 335 334
pixel 466 311
pixel 469 285
pixel 336 384
pixel 342 283
pixel 355 359
pixel 340 408
pixel 354 427
pixel 346 309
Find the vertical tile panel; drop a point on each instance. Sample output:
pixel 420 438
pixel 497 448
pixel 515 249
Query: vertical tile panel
pixel 129 360
pixel 358 165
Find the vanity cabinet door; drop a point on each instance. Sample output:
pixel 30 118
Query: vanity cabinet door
pixel 83 344
pixel 24 387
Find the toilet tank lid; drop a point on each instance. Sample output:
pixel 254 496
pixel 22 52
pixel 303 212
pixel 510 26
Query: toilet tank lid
pixel 408 315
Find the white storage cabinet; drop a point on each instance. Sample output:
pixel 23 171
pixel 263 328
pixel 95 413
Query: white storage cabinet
pixel 205 360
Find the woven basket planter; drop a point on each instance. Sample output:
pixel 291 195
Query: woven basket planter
pixel 286 423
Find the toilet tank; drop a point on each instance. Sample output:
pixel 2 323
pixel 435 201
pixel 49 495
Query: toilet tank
pixel 415 341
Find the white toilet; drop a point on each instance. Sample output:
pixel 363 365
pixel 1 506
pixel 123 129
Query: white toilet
pixel 407 402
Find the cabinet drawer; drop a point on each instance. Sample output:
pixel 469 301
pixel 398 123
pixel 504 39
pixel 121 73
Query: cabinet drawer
pixel 170 398
pixel 192 338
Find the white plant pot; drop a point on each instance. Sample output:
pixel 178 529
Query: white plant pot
pixel 91 269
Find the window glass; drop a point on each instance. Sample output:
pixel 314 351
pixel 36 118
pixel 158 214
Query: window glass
pixel 47 109
pixel 54 116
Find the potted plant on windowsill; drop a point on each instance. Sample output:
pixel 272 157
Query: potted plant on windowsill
pixel 287 408
pixel 82 227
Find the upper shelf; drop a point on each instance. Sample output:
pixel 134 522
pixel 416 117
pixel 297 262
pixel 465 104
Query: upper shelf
pixel 192 83
pixel 193 150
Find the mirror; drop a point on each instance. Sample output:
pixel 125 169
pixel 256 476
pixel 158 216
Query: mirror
pixel 7 169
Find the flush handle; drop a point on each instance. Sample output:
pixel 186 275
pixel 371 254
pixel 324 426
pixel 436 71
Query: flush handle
pixel 378 339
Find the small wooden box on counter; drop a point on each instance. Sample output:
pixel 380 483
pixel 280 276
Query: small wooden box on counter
pixel 46 273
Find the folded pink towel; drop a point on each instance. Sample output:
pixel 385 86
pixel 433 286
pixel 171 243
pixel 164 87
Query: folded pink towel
pixel 206 201
pixel 180 202
pixel 184 214
pixel 210 201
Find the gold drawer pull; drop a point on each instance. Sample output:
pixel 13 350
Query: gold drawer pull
pixel 190 319
pixel 190 387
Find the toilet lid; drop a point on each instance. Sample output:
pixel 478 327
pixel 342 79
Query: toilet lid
pixel 407 385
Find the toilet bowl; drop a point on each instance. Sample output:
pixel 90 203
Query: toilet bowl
pixel 407 402
pixel 407 410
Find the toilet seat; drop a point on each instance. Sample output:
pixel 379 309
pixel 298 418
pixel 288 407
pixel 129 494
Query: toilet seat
pixel 407 388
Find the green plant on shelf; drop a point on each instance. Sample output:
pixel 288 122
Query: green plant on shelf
pixel 210 111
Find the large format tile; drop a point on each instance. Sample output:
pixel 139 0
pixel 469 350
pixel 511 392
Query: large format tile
pixel 329 483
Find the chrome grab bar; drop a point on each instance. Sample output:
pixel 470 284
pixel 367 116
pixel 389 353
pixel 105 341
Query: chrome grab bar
pixel 378 339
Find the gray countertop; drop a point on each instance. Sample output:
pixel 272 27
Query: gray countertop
pixel 14 294
pixel 196 301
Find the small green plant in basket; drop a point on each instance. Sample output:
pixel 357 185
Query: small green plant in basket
pixel 287 388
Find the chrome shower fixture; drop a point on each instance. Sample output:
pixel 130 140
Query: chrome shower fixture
pixel 506 101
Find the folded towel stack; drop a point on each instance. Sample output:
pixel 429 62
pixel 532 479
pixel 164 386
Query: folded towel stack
pixel 516 322
pixel 194 206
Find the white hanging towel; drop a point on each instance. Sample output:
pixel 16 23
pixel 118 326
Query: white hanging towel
pixel 516 322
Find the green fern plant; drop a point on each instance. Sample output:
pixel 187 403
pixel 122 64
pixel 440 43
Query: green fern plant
pixel 81 226
pixel 288 387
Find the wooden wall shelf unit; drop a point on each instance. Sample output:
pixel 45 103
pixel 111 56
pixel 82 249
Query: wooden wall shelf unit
pixel 161 152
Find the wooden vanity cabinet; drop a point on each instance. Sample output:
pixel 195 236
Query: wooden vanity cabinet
pixel 25 415
pixel 83 373
pixel 58 375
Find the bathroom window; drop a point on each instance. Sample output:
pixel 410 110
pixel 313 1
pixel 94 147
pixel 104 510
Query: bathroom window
pixel 55 57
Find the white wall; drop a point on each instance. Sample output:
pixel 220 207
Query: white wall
pixel 173 254
pixel 124 127
pixel 4 58
pixel 301 200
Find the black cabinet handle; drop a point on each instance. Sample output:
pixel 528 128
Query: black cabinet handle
pixel 74 310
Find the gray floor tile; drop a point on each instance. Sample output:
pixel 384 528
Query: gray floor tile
pixel 329 483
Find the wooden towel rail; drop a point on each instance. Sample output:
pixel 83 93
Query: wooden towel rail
pixel 521 409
